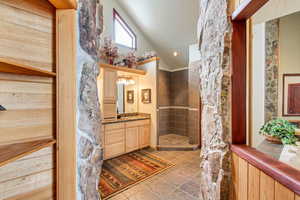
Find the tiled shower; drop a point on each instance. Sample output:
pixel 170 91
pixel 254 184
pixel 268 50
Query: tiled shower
pixel 179 105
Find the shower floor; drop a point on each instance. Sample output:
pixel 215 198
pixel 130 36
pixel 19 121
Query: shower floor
pixel 173 140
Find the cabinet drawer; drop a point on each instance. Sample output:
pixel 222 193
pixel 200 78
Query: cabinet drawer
pixel 137 123
pixel 114 150
pixel 114 126
pixel 116 136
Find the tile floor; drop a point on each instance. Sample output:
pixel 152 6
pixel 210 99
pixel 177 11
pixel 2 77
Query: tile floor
pixel 180 182
pixel 174 140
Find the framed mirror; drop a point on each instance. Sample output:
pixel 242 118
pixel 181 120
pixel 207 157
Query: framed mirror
pixel 127 94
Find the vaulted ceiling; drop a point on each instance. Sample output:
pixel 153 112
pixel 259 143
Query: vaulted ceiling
pixel 170 25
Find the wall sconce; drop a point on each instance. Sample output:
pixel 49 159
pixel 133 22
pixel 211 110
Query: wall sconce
pixel 2 108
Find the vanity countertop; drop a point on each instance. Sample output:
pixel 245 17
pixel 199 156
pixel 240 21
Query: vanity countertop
pixel 140 116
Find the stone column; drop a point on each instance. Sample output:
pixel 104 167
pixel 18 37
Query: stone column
pixel 271 69
pixel 214 30
pixel 89 147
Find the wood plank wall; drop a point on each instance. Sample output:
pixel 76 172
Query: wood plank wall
pixel 28 33
pixel 250 183
pixel 27 36
pixel 30 107
pixel 27 176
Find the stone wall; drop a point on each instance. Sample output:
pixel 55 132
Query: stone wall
pixel 89 149
pixel 214 30
pixel 271 69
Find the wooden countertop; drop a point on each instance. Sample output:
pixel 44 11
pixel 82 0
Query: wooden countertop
pixel 127 118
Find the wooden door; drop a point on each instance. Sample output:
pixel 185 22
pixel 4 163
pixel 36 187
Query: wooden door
pixel 109 86
pixel 132 139
pixel 144 136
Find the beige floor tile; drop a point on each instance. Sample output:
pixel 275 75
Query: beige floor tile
pixel 177 183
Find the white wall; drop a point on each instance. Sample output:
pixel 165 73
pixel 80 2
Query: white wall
pixel 194 53
pixel 143 44
pixel 258 79
pixel 275 9
pixel 149 81
pixel 289 51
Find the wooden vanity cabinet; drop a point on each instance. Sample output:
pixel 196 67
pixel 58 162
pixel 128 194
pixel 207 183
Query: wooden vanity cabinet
pixel 132 139
pixel 124 137
pixel 109 86
pixel 108 93
pixel 114 140
pixel 144 136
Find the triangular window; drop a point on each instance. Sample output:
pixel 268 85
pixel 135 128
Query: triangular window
pixel 123 34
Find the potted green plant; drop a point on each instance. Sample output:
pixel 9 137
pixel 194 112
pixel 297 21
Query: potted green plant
pixel 279 131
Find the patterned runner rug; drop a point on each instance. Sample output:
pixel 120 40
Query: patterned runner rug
pixel 118 174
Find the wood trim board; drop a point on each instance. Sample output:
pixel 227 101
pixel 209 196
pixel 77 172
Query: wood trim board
pixel 247 8
pixel 64 4
pixel 13 152
pixel 148 60
pixel 239 90
pixel 13 67
pixel 239 68
pixel 66 103
pixel 123 69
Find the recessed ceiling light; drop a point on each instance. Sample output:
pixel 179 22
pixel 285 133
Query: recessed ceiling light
pixel 175 53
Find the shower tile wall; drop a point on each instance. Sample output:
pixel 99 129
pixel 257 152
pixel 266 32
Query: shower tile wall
pixel 173 91
pixel 165 124
pixel 179 121
pixel 179 88
pixel 164 100
pixel 164 91
pixel 194 103
pixel 179 102
pixel 179 97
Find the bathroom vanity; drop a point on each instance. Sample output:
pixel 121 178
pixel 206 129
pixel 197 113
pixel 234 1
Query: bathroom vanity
pixel 124 127
pixel 125 135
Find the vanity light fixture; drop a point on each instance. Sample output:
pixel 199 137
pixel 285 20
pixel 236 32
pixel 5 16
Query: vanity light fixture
pixel 2 108
pixel 125 80
pixel 175 53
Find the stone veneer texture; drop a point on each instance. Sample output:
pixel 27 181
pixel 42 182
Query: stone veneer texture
pixel 271 69
pixel 215 32
pixel 89 147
